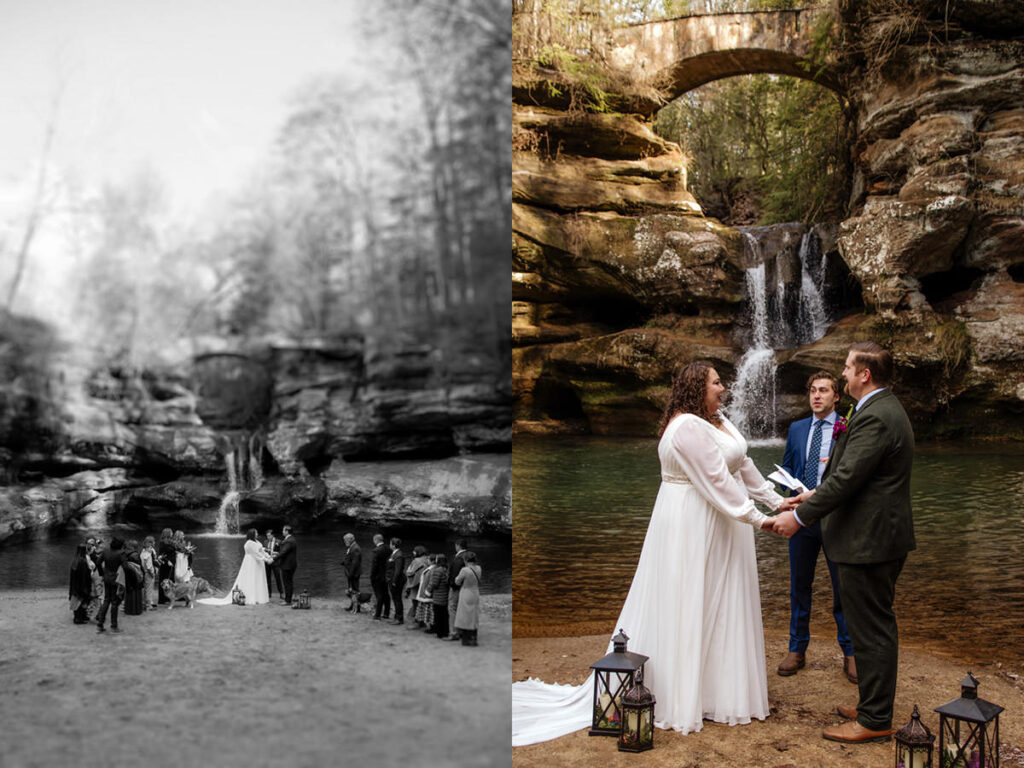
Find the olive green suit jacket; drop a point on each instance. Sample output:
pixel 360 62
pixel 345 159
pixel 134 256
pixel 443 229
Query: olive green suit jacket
pixel 863 501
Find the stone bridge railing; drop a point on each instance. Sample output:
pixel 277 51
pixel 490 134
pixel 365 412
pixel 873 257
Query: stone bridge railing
pixel 679 55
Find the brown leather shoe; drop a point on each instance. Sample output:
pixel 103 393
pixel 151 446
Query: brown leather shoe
pixel 850 713
pixel 850 669
pixel 791 664
pixel 855 733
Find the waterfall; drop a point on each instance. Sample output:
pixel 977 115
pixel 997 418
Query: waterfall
pixel 227 513
pixel 812 319
pixel 752 406
pixel 244 464
pixel 793 315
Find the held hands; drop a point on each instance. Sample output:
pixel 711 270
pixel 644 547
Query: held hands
pixel 785 523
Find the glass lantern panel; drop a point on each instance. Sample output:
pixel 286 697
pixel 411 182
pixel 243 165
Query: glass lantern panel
pixel 610 687
pixel 646 726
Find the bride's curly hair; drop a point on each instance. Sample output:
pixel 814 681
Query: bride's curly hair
pixel 689 387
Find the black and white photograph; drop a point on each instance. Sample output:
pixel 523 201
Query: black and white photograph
pixel 255 383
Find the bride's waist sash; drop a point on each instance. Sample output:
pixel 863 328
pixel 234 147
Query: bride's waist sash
pixel 676 479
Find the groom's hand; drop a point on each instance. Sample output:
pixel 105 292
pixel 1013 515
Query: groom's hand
pixel 786 524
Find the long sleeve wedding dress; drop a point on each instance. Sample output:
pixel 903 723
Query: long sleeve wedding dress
pixel 694 607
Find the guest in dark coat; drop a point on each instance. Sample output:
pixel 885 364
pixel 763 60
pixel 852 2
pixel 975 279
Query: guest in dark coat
pixel 394 573
pixel 353 563
pixel 133 600
pixel 438 593
pixel 80 587
pixel 113 584
pixel 165 555
pixel 378 578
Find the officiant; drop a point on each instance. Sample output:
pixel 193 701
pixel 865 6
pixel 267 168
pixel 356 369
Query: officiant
pixel 808 446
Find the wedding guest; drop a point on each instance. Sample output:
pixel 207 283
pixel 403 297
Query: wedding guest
pixel 353 564
pixel 113 585
pixel 424 604
pixel 378 579
pixel 133 576
pixel 467 616
pixel 80 586
pixel 182 558
pixel 413 573
pixel 271 545
pixel 453 589
pixel 166 555
pixel 96 573
pixel 808 446
pixel 148 559
pixel 394 573
pixel 438 590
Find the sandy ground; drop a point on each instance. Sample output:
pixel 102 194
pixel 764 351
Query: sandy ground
pixel 255 686
pixel 800 707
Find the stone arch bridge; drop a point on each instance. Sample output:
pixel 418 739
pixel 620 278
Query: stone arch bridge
pixel 678 55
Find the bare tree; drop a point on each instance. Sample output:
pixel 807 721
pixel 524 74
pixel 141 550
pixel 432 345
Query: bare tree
pixel 39 206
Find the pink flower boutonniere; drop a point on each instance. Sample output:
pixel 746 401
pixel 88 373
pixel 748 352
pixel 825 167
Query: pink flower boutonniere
pixel 842 424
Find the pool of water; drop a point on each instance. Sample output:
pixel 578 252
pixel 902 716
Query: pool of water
pixel 44 563
pixel 581 508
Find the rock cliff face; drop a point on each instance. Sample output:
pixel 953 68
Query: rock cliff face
pixel 939 220
pixel 328 431
pixel 616 273
pixel 618 277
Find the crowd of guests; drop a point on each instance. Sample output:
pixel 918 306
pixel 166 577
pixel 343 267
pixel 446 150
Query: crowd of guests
pixel 104 578
pixel 444 596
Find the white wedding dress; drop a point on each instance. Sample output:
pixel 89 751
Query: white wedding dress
pixel 694 607
pixel 251 579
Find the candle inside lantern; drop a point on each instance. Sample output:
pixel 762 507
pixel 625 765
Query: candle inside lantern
pixel 632 724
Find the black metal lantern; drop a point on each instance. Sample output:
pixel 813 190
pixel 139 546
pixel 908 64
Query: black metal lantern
pixel 613 676
pixel 637 731
pixel 304 600
pixel 914 744
pixel 237 596
pixel 969 730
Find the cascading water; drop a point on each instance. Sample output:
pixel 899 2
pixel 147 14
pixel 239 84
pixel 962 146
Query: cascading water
pixel 245 472
pixel 812 319
pixel 753 393
pixel 752 406
pixel 227 514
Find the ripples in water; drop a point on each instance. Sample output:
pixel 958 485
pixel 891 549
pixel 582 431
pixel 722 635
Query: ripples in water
pixel 581 508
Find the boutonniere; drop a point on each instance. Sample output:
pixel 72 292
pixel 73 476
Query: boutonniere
pixel 842 424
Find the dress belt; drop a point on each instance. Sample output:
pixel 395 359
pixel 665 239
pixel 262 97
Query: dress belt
pixel 676 480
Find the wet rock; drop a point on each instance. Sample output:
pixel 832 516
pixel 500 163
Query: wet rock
pixel 466 493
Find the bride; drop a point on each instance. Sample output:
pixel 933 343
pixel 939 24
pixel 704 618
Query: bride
pixel 694 606
pixel 252 576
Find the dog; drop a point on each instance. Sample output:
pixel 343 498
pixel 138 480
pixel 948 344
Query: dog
pixel 185 590
pixel 356 599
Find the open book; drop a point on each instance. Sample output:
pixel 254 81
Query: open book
pixel 786 480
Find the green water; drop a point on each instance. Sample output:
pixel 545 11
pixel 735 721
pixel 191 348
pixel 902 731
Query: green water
pixel 581 507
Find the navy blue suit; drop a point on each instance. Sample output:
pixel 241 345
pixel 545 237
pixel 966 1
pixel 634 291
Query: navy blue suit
pixel 803 554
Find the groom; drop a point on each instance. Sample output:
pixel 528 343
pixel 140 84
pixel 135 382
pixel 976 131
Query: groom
pixel 863 504
pixel 287 561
